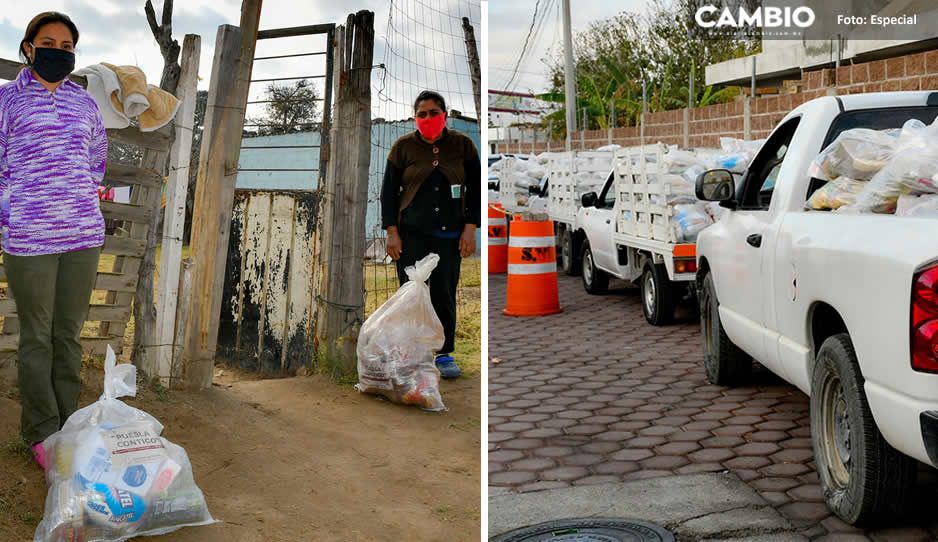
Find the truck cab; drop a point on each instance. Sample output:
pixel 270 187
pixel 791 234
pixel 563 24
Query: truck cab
pixel 599 255
pixel 837 304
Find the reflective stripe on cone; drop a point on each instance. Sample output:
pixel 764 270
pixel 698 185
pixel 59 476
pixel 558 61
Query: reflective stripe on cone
pixel 532 269
pixel 498 239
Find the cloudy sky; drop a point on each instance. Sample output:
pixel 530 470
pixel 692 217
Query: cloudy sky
pixel 116 31
pixel 509 21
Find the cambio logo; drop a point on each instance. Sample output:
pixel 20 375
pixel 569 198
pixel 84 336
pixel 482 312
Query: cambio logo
pixel 768 17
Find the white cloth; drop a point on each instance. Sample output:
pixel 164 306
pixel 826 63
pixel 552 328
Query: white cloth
pixel 102 83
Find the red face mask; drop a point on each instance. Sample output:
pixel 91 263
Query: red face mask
pixel 431 127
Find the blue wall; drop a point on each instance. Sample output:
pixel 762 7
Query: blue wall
pixel 383 135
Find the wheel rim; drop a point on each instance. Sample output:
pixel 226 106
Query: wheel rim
pixel 648 287
pixel 835 432
pixel 588 267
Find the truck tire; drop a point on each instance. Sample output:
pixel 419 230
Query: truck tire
pixel 595 280
pixel 571 264
pixel 726 364
pixel 863 478
pixel 658 299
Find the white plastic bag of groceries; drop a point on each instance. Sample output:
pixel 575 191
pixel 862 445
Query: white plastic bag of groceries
pixel 396 344
pixel 112 476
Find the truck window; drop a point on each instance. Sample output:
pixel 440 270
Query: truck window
pixel 874 119
pixel 607 199
pixel 759 182
pixel 879 119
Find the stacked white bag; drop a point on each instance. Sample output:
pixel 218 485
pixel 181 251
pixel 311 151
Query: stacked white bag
pixel 680 169
pixel 880 171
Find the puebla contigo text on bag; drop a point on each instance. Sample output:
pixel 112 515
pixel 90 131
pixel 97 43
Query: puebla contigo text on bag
pixel 112 476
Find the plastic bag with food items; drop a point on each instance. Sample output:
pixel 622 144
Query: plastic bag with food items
pixel 925 205
pixel 910 171
pixel 858 153
pixel 112 476
pixel 396 344
pixel 688 221
pixel 836 194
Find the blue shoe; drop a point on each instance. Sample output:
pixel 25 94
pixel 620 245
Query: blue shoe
pixel 447 366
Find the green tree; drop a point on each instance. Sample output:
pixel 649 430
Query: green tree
pixel 290 108
pixel 664 48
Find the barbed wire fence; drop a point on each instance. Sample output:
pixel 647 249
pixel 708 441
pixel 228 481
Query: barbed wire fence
pixel 424 48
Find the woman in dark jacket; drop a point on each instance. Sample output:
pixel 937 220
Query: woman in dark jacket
pixel 431 202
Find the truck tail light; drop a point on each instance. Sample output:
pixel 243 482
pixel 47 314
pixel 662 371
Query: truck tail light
pixel 685 266
pixel 924 332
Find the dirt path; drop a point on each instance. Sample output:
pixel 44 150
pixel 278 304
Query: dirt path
pixel 297 459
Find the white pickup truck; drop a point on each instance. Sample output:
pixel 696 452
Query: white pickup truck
pixel 843 306
pixel 626 231
pixel 565 171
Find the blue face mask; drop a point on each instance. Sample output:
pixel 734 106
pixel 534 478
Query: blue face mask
pixel 52 64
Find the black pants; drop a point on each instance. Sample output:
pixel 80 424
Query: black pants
pixel 443 280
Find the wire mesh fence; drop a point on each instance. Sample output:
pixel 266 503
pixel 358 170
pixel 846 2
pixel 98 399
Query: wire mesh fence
pixel 424 48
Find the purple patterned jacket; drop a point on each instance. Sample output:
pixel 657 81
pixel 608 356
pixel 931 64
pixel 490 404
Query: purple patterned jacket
pixel 53 152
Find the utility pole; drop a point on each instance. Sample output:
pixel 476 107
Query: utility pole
pixel 550 133
pixel 685 128
pixel 583 130
pixel 641 129
pixel 752 88
pixel 612 121
pixel 569 73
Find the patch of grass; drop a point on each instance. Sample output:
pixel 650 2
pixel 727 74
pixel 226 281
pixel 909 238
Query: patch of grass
pixel 445 513
pixel 16 510
pixel 18 447
pixel 161 391
pixel 468 425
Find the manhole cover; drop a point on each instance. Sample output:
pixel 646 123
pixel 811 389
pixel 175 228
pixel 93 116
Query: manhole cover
pixel 588 530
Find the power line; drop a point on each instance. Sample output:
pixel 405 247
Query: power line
pixel 524 48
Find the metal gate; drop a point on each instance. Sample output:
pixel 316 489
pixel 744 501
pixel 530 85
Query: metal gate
pixel 267 322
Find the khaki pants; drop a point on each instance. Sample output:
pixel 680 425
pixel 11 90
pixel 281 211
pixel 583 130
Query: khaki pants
pixel 52 294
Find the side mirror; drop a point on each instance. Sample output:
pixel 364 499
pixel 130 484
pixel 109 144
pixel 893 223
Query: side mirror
pixel 716 185
pixel 589 199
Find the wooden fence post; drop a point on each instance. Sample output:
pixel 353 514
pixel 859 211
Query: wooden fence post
pixel 182 319
pixel 345 198
pixel 215 187
pixel 161 357
pixel 472 55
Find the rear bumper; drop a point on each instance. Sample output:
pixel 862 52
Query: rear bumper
pixel 929 423
pixel 909 424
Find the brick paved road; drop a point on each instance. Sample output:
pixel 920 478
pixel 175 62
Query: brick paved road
pixel 596 395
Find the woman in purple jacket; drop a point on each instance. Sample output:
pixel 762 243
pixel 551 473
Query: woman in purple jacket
pixel 53 149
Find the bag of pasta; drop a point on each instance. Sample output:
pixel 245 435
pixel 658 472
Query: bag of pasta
pixel 836 194
pixel 112 476
pixel 396 344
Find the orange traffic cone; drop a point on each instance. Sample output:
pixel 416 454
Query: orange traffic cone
pixel 498 239
pixel 532 269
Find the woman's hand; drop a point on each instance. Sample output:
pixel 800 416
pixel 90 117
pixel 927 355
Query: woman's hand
pixel 467 243
pixel 393 247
